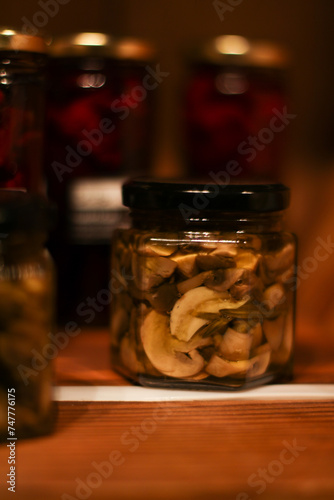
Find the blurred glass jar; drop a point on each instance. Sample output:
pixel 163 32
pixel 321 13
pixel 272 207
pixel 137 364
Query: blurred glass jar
pixel 235 106
pixel 203 286
pixel 99 130
pixel 22 72
pixel 26 316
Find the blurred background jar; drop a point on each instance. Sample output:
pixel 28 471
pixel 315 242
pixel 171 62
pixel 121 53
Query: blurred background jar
pixel 99 131
pixel 234 107
pixel 26 315
pixel 22 72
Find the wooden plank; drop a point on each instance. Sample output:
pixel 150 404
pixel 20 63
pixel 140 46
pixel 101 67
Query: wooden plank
pixel 182 450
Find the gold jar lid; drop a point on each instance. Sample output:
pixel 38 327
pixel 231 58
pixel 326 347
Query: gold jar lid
pixel 241 51
pixel 90 44
pixel 13 40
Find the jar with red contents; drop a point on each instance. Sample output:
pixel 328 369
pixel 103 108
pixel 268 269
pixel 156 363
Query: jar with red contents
pixel 99 125
pixel 22 71
pixel 236 107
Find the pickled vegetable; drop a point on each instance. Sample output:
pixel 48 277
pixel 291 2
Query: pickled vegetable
pixel 215 311
pixel 26 312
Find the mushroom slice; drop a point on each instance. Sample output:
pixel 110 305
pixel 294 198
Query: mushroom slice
pixel 164 297
pixel 198 280
pixel 235 345
pixel 260 362
pixel 273 296
pixel 247 260
pixel 283 354
pixel 248 283
pixel 274 331
pixel 257 335
pixel 150 272
pixel 186 263
pixel 277 262
pixel 209 261
pixel 128 356
pixel 148 246
pixel 222 280
pixel 166 353
pixel 220 367
pixel 184 320
pixel 225 250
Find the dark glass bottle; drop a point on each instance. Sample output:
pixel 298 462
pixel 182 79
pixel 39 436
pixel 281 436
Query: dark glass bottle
pixel 234 107
pixel 27 300
pixel 22 78
pixel 99 117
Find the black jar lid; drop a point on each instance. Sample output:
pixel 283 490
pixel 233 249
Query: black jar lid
pixel 25 212
pixel 147 194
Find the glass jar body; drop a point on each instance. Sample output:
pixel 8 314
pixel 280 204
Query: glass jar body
pixel 234 113
pixel 98 131
pixel 205 305
pixel 27 323
pixel 21 120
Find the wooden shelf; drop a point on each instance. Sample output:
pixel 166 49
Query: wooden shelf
pixel 180 449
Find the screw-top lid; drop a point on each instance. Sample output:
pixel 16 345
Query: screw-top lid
pixel 20 211
pixel 92 44
pixel 149 194
pixel 241 51
pixel 13 40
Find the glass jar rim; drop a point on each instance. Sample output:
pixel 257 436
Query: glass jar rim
pixel 17 41
pixel 158 194
pixel 98 44
pixel 237 50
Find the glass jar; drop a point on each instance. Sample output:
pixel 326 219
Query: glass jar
pixel 22 61
pixel 234 107
pixel 99 125
pixel 26 316
pixel 203 286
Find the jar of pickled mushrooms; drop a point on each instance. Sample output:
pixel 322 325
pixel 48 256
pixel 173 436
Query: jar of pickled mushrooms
pixel 26 316
pixel 203 285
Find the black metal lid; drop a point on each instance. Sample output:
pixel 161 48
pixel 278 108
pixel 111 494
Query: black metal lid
pixel 20 211
pixel 146 194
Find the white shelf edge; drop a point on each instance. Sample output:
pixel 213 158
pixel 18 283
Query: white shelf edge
pixel 143 394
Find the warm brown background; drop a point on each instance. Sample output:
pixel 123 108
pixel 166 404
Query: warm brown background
pixel 305 27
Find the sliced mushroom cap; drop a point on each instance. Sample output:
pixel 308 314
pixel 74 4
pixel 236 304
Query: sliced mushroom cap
pixel 206 262
pixel 185 317
pixel 274 331
pixel 186 263
pixel 277 262
pixel 260 362
pixel 167 354
pixel 148 246
pixel 257 335
pixel 248 283
pixel 129 357
pixel 274 296
pixel 164 297
pixel 220 367
pixel 284 352
pixel 247 260
pixel 225 250
pixel 222 279
pixel 150 272
pixel 235 345
pixel 198 280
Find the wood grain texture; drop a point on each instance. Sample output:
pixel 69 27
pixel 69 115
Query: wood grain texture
pixel 183 450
